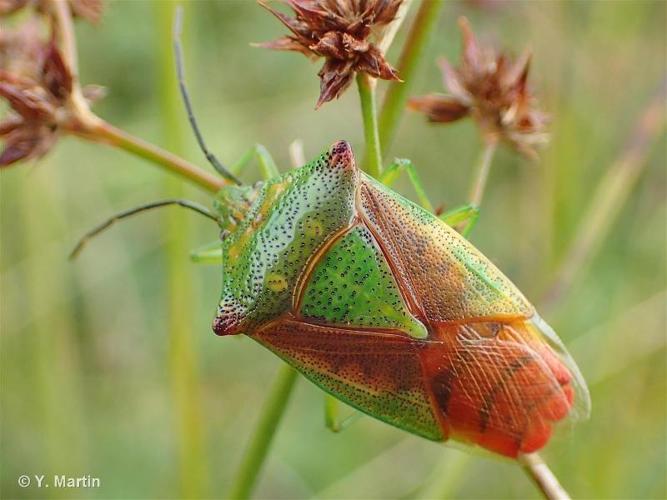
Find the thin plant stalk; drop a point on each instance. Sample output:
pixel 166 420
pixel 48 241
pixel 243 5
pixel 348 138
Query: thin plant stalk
pixel 54 368
pixel 411 55
pixel 274 407
pixel 91 127
pixel 296 154
pixel 482 169
pixel 183 360
pixel 108 134
pixel 373 156
pixel 481 175
pixel 543 478
pixel 64 28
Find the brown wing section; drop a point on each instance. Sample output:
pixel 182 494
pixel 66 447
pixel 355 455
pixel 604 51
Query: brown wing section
pixel 495 385
pixel 498 375
pixel 498 385
pixel 443 276
pixel 380 373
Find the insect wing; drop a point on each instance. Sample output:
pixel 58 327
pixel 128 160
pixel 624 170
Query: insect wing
pixel 445 278
pixel 498 374
pixel 376 372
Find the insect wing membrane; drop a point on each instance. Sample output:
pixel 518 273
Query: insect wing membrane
pixel 498 375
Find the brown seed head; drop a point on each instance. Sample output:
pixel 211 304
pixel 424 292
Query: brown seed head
pixel 31 127
pixel 491 88
pixel 344 32
pixel 37 84
pixel 10 6
pixel 90 10
pixel 21 48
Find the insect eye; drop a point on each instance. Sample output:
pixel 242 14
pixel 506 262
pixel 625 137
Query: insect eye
pixel 223 234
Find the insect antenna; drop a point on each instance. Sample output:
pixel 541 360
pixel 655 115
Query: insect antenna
pixel 178 53
pixel 190 205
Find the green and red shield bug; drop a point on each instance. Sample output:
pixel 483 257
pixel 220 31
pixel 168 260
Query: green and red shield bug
pixel 383 305
pixel 387 308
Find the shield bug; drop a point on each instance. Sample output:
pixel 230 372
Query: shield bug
pixel 382 304
pixel 387 308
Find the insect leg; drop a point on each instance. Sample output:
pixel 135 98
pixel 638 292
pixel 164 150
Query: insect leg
pixel 210 253
pixel 266 163
pixel 332 418
pixel 462 218
pixel 400 165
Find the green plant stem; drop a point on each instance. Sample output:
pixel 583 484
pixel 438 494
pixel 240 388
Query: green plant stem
pixel 413 51
pixel 543 478
pixel 63 24
pixel 482 170
pixel 481 175
pixel 272 412
pixel 51 343
pixel 332 413
pixel 183 359
pixel 373 156
pixel 86 124
pixel 104 132
pixel 609 197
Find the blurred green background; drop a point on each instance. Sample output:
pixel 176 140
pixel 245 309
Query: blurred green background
pixel 94 380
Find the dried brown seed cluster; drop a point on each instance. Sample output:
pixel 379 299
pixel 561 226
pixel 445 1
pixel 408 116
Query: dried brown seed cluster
pixel 11 6
pixel 492 89
pixel 37 84
pixel 90 10
pixel 341 31
pixel 31 129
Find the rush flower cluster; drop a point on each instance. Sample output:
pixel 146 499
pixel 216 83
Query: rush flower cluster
pixel 344 33
pixel 36 82
pixel 491 88
pixel 90 10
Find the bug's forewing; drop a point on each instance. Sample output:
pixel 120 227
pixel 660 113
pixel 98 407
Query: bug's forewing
pixel 444 277
pixel 499 376
pixel 379 373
